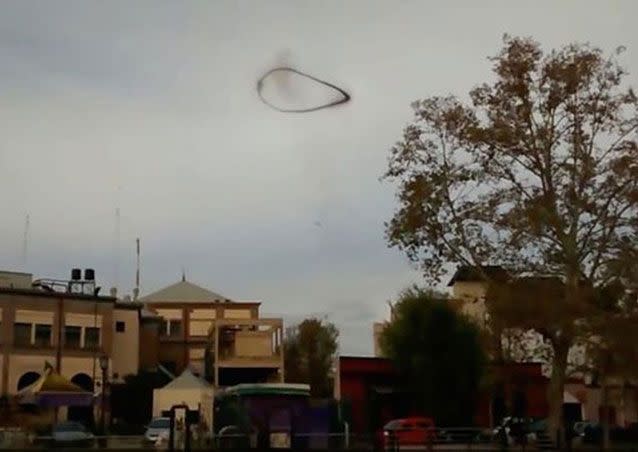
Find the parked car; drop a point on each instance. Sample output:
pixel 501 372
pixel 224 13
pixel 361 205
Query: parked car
pixel 158 427
pixel 71 433
pixel 517 430
pixel 580 427
pixel 412 431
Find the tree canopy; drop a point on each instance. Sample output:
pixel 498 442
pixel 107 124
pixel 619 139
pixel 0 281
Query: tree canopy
pixel 538 173
pixel 438 353
pixel 309 352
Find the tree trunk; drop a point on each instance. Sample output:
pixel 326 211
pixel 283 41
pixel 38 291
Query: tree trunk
pixel 556 390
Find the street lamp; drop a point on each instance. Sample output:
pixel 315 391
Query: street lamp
pixel 104 365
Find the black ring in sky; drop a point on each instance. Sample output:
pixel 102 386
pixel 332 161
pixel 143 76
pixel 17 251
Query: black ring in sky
pixel 260 82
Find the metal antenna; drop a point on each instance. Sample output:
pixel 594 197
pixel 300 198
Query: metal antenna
pixel 136 291
pixel 116 249
pixel 25 242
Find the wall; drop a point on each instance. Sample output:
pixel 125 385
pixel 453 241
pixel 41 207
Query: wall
pixel 469 290
pixel 253 344
pixel 200 321
pixel 126 360
pixel 149 344
pixel 356 375
pixel 623 401
pixel 470 295
pixel 42 308
pixel 16 280
pixel 175 352
pixel 18 365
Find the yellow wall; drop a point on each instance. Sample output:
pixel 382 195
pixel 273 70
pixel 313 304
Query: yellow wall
pixel 27 316
pixel 253 344
pixel 197 353
pixel 170 314
pixel 201 321
pixel 203 314
pixel 236 313
pixel 199 327
pixel 126 345
pixel 21 364
pixel 85 320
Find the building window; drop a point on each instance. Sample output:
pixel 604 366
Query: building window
pixel 72 336
pixel 120 326
pixel 43 335
pixel 91 337
pixel 175 328
pixel 22 334
pixel 171 328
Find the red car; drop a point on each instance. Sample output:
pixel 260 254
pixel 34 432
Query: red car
pixel 411 431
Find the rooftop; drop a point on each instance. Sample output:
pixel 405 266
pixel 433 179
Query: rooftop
pixel 184 292
pixel 35 292
pixel 466 273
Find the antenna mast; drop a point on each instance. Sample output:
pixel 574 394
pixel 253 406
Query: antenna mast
pixel 25 242
pixel 136 291
pixel 116 250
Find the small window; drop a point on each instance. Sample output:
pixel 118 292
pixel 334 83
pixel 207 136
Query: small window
pixel 72 336
pixel 120 326
pixel 91 337
pixel 22 334
pixel 164 327
pixel 43 335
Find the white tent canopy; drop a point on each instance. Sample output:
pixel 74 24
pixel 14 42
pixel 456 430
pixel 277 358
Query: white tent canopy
pixel 186 389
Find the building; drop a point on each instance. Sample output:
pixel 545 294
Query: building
pixel 69 325
pixel 57 322
pixel 371 394
pixel 224 340
pixel 469 288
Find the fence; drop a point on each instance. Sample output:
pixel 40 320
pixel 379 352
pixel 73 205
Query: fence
pixel 452 439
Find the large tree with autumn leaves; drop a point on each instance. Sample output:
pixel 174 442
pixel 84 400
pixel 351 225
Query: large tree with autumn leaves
pixel 537 172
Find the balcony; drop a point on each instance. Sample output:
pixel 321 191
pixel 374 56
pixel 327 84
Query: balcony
pixel 250 343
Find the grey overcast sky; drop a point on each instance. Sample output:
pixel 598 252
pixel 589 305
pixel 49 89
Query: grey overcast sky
pixel 150 106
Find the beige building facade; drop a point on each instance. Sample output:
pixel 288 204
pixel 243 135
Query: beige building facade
pixel 70 331
pixel 217 338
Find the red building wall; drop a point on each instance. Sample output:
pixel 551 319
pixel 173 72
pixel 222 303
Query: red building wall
pixel 359 376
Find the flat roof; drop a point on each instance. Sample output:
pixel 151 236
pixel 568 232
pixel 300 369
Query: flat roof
pixel 267 389
pixel 53 294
